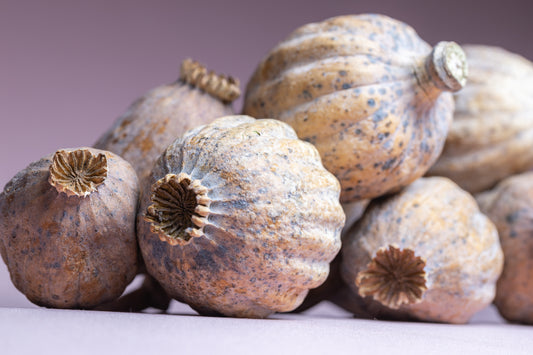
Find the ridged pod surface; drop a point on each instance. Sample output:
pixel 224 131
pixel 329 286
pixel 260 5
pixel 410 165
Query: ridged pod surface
pixel 67 228
pixel 510 206
pixel 353 212
pixel 156 119
pixel 240 218
pixel 426 253
pixel 492 133
pixel 368 92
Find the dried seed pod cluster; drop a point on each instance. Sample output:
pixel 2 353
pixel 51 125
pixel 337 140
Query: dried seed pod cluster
pixel 492 133
pixel 368 92
pixel 426 253
pixel 510 207
pixel 67 230
pixel 155 120
pixel 240 218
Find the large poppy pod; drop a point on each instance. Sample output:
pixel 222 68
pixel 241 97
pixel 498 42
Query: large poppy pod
pixel 371 95
pixel 240 218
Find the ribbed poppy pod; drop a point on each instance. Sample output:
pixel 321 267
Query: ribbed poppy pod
pixel 240 218
pixel 510 206
pixel 426 253
pixel 156 119
pixel 368 92
pixel 492 133
pixel 67 228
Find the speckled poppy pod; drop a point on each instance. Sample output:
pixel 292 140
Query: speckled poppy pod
pixel 510 206
pixel 240 218
pixel 426 253
pixel 67 228
pixel 368 92
pixel 153 121
pixel 492 133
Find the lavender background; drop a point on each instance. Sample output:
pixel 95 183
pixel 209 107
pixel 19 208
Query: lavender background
pixel 68 68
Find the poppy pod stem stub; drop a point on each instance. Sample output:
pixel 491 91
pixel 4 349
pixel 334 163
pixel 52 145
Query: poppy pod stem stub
pixel 179 209
pixel 78 172
pixel 394 277
pixel 224 88
pixel 445 68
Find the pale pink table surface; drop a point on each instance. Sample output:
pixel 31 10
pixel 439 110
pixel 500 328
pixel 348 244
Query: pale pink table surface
pixel 325 329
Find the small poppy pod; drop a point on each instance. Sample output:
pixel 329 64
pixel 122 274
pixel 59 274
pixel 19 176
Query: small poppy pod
pixel 426 253
pixel 67 228
pixel 491 137
pixel 154 121
pixel 368 92
pixel 240 218
pixel 510 206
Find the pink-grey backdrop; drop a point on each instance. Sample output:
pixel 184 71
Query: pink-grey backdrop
pixel 68 68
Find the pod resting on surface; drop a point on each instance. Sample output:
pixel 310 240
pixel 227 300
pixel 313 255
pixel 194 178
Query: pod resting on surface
pixel 426 253
pixel 240 218
pixel 368 92
pixel 492 132
pixel 510 206
pixel 67 228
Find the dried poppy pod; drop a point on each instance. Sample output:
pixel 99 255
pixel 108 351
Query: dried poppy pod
pixel 510 207
pixel 67 228
pixel 240 218
pixel 492 133
pixel 426 253
pixel 155 120
pixel 371 95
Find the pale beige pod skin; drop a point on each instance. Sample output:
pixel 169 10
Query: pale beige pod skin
pixel 156 119
pixel 67 228
pixel 353 212
pixel 426 253
pixel 240 218
pixel 510 206
pixel 368 92
pixel 492 133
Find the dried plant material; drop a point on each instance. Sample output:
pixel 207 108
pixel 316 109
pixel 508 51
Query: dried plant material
pixel 394 277
pixel 353 212
pixel 510 206
pixel 491 137
pixel 149 294
pixel 154 120
pixel 179 208
pixel 371 95
pixel 446 67
pixel 426 253
pixel 77 172
pixel 67 252
pixel 225 88
pixel 240 218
